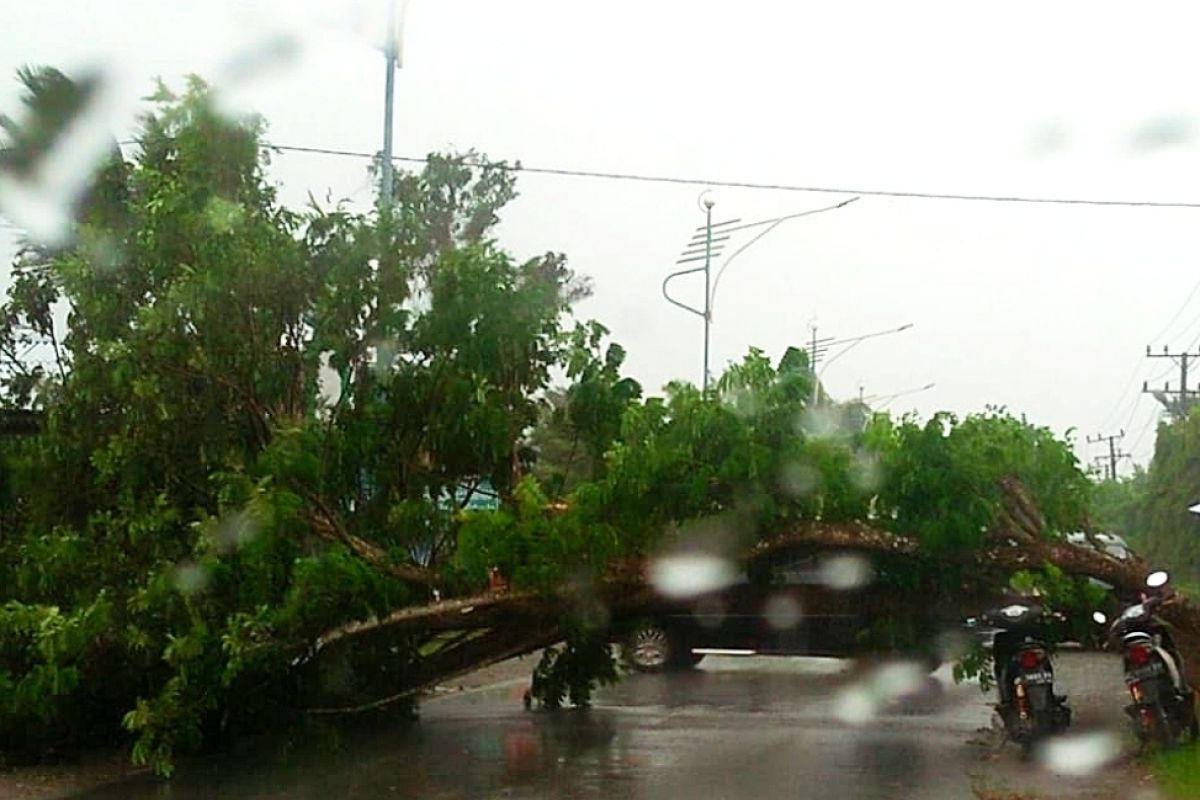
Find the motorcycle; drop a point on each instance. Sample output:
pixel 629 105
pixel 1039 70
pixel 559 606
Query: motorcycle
pixel 1024 671
pixel 1163 705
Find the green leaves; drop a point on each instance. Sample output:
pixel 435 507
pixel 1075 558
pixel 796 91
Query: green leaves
pixel 42 652
pixel 201 466
pixel 1156 504
pixel 944 476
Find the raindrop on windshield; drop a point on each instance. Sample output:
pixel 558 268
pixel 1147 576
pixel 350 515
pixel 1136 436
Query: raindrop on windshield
pixel 865 472
pixel 223 215
pixel 824 422
pixel 235 531
pixel 798 479
pixel 888 683
pixel 690 574
pixel 54 150
pixel 1080 754
pixel 191 578
pixel 782 612
pixel 845 572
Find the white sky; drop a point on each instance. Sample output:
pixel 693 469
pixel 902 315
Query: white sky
pixel 1044 309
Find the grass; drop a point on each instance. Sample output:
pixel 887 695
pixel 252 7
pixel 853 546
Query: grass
pixel 1178 773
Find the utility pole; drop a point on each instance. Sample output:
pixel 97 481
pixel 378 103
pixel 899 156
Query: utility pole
pixel 1113 456
pixel 1177 402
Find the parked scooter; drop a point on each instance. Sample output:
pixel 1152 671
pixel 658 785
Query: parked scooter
pixel 1163 707
pixel 1024 673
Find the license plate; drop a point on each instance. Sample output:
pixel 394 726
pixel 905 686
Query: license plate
pixel 1039 677
pixel 1152 670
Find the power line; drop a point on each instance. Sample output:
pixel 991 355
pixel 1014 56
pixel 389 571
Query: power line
pixel 1178 313
pixel 740 184
pixel 1151 424
pixel 1115 413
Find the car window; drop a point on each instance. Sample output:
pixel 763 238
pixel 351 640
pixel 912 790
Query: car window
pixel 796 571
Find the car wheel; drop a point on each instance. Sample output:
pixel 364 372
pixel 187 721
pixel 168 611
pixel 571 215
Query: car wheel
pixel 652 649
pixel 649 649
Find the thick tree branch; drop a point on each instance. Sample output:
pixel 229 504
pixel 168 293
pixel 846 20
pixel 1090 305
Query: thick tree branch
pixel 326 525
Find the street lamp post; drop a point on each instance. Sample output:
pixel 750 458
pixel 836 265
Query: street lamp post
pixel 391 54
pixel 705 245
pixel 850 343
pixel 891 398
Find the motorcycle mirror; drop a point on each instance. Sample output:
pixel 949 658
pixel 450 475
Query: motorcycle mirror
pixel 1157 579
pixel 1099 617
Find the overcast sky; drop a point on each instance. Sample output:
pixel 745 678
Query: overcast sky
pixel 1044 309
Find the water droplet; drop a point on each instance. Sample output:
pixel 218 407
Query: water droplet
pixel 55 153
pixel 222 215
pixel 235 531
pixel 1050 138
pixel 742 401
pixel 824 422
pixel 897 678
pixel 272 51
pixel 847 571
pixel 385 354
pixel 691 574
pixel 191 578
pixel 860 702
pixel 865 472
pixel 1163 132
pixel 782 612
pixel 952 645
pixel 855 706
pixel 798 479
pixel 1080 754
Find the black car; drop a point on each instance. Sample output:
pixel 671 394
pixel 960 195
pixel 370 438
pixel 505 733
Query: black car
pixel 815 605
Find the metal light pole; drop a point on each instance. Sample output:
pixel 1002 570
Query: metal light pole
pixel 850 343
pixel 389 88
pixel 771 224
pixel 705 245
pixel 891 398
pixel 708 205
pixel 391 53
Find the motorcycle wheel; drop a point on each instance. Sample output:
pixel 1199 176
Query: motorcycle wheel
pixel 1165 728
pixel 1188 706
pixel 1026 748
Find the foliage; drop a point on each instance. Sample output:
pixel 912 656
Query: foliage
pixel 1170 534
pixel 945 475
pixel 573 671
pixel 976 663
pixel 579 425
pixel 1074 597
pixel 1116 506
pixel 253 417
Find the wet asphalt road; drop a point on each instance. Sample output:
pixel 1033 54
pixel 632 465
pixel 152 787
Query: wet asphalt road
pixel 735 728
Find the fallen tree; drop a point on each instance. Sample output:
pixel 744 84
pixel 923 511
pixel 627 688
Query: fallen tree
pixel 1018 543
